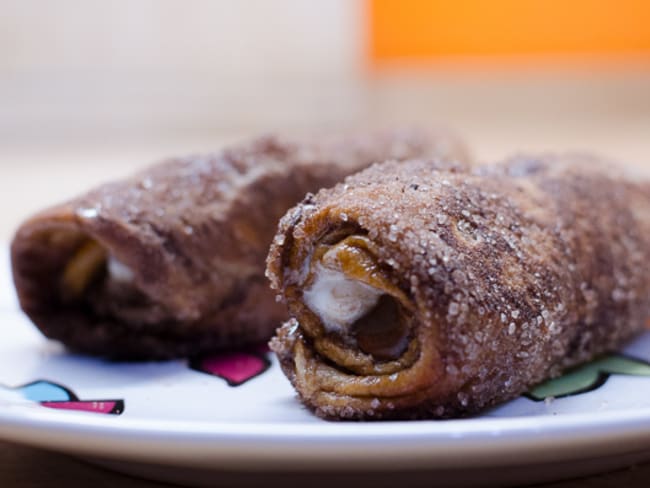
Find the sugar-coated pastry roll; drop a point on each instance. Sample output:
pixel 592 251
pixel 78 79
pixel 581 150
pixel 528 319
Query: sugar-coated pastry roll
pixel 419 291
pixel 170 262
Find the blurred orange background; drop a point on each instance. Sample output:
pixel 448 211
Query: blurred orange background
pixel 425 29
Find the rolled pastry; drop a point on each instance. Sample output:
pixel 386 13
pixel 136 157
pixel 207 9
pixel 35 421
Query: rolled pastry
pixel 417 291
pixel 170 262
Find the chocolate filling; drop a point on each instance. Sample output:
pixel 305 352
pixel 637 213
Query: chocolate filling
pixel 383 332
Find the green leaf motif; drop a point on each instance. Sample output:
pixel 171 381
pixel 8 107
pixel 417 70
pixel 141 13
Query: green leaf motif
pixel 589 377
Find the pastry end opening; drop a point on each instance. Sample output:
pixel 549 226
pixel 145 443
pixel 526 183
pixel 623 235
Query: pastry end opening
pixel 355 300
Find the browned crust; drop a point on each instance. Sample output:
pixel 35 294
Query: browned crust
pixel 195 232
pixel 517 272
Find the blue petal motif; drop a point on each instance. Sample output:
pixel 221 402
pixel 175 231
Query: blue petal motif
pixel 45 391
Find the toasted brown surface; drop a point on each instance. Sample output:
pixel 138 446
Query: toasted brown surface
pixel 514 272
pixel 194 233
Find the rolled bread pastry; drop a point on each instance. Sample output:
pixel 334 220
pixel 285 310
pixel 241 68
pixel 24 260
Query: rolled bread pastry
pixel 423 291
pixel 170 262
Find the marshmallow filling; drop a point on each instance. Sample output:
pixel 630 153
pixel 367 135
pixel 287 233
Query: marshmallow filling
pixel 353 299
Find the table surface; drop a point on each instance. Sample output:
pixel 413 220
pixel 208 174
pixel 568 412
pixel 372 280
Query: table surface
pixel 27 467
pixel 33 177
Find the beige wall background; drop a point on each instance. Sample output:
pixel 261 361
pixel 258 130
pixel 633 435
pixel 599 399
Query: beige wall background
pixel 73 69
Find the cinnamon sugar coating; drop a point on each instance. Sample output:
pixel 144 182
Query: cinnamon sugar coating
pixel 516 271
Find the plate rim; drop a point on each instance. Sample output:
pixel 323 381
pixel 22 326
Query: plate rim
pixel 406 444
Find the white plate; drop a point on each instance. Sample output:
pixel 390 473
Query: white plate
pixel 170 422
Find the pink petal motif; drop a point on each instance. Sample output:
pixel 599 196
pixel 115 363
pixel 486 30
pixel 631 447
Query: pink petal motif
pixel 236 367
pixel 114 407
